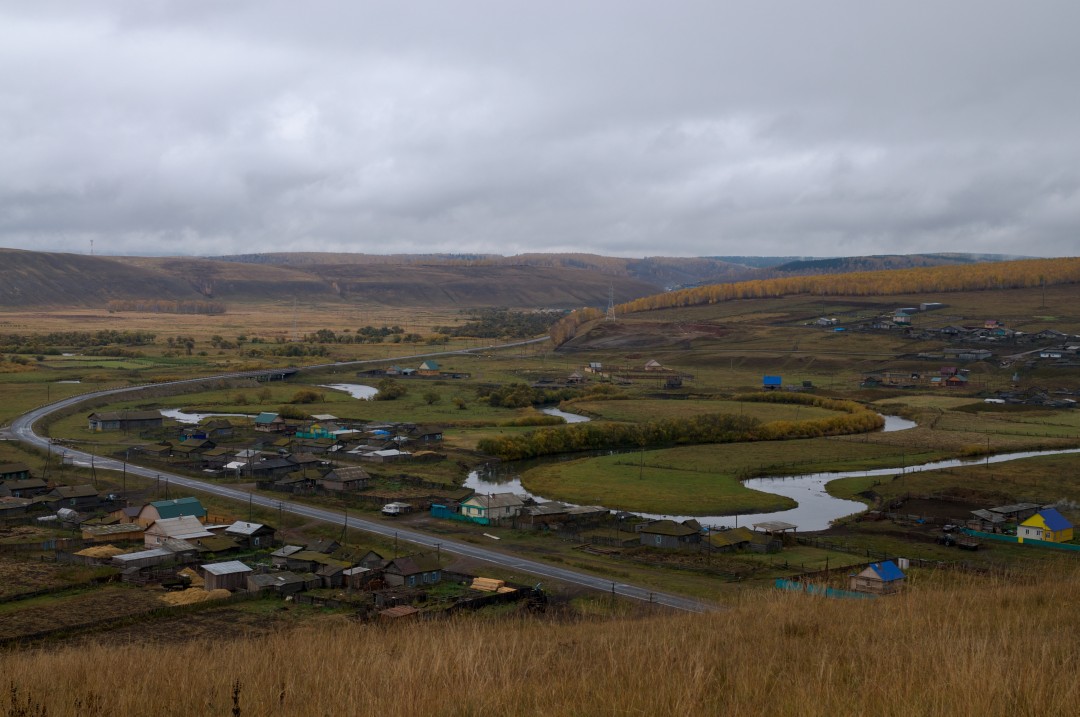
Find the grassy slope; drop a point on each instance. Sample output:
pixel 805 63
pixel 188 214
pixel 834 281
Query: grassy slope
pixel 986 646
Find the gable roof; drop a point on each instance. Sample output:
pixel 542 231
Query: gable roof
pixel 496 500
pixel 668 527
pixel 74 491
pixel 242 527
pixel 429 366
pixel 887 571
pixel 347 474
pixel 184 527
pixel 227 568
pixel 125 416
pixel 265 418
pixel 1054 520
pixel 413 564
pixel 179 506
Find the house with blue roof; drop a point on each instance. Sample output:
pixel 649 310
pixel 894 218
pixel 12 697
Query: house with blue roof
pixel 1048 525
pixel 883 578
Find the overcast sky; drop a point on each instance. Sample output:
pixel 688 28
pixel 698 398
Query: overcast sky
pixel 624 128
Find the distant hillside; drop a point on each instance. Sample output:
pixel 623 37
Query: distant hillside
pixel 844 265
pixel 661 272
pixel 43 279
pixel 30 278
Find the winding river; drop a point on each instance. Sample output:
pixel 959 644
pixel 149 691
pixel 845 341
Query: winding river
pixel 816 508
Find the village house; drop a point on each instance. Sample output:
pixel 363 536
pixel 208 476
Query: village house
pixel 133 421
pixel 882 578
pixel 283 583
pixel 269 422
pixel 1048 524
pixel 251 535
pixel 670 535
pixel 230 575
pixel 75 497
pixel 158 509
pixel 14 471
pixel 494 506
pixel 428 368
pixel 350 479
pixel 412 571
pixel 25 488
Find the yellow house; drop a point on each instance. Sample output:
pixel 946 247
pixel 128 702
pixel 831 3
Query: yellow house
pixel 1048 525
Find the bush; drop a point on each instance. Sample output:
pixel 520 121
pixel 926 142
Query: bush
pixel 307 396
pixel 389 389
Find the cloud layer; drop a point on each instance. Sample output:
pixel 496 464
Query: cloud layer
pixel 621 128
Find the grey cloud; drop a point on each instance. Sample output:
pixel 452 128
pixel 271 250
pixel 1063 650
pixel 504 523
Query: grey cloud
pixel 619 127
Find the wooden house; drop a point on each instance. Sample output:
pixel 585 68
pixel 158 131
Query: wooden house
pixel 428 368
pixel 269 422
pixel 352 479
pixel 412 571
pixel 669 535
pixel 654 365
pixel 494 506
pixel 1048 524
pixel 14 471
pixel 230 575
pixel 882 578
pixel 251 535
pixel 25 488
pixel 76 497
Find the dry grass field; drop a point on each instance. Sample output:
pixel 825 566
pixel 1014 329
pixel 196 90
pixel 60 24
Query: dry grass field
pixel 991 646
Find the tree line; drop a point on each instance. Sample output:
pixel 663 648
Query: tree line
pixel 708 428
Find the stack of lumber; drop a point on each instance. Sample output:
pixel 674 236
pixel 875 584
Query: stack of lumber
pixel 488 585
pixel 491 585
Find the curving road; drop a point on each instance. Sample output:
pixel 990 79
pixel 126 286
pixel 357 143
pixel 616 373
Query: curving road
pixel 22 429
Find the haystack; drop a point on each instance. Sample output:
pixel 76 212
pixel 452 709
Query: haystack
pixel 193 595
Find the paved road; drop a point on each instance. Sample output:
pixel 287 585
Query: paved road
pixel 22 429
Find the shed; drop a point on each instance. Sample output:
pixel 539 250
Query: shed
pixel 230 575
pixel 882 578
pixel 124 420
pixel 142 558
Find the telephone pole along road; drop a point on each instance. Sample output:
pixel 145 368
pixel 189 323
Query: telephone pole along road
pixel 22 429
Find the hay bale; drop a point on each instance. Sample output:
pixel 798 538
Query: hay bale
pixel 194 595
pixel 101 552
pixel 196 579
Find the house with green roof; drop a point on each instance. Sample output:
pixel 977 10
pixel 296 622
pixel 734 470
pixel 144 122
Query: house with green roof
pixel 269 422
pixel 175 508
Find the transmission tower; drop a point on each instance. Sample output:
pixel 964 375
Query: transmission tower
pixel 611 303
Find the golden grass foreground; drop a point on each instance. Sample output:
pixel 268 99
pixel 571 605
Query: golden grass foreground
pixel 987 646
